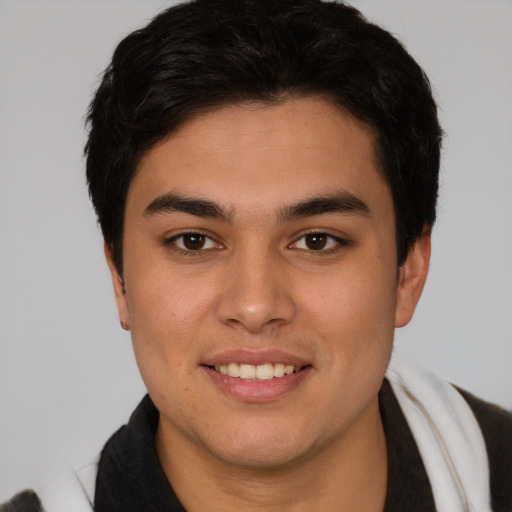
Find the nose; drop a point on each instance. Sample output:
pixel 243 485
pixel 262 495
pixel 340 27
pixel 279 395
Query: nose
pixel 256 292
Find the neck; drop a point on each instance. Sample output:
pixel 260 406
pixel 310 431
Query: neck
pixel 345 474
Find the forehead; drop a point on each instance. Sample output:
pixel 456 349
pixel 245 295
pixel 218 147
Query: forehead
pixel 258 156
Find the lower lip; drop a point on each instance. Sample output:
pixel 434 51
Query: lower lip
pixel 257 391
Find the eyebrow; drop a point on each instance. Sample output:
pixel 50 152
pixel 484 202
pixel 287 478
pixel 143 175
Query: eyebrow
pixel 339 202
pixel 169 203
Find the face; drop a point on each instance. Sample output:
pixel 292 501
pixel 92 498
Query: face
pixel 261 285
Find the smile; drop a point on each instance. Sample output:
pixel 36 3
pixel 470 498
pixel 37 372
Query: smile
pixel 266 371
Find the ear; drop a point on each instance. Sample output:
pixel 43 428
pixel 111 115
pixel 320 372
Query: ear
pixel 119 291
pixel 412 277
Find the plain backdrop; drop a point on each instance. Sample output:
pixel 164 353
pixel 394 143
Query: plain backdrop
pixel 67 374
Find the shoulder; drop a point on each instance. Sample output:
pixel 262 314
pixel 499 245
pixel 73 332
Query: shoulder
pixel 495 422
pixel 25 501
pixel 70 490
pixel 465 443
pixel 496 426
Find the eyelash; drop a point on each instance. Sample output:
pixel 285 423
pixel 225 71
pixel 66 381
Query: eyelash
pixel 330 239
pixel 337 241
pixel 172 243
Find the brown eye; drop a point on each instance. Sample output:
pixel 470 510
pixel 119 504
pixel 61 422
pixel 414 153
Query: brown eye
pixel 319 242
pixel 193 241
pixel 316 241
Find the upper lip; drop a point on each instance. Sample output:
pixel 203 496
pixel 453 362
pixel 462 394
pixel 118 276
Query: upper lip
pixel 254 357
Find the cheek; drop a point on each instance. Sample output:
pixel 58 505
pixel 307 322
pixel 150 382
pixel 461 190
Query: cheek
pixel 167 317
pixel 353 315
pixel 359 301
pixel 165 301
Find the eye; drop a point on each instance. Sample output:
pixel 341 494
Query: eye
pixel 193 242
pixel 318 242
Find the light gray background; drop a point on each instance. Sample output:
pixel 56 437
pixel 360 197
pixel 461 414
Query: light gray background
pixel 67 374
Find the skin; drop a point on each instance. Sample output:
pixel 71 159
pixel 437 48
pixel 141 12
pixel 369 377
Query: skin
pixel 257 285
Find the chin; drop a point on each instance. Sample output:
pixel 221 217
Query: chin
pixel 258 458
pixel 260 448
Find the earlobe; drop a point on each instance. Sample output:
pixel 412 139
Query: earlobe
pixel 119 290
pixel 413 274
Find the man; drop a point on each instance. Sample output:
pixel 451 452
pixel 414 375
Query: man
pixel 265 176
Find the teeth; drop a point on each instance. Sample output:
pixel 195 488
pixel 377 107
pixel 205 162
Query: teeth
pixel 247 371
pixel 265 371
pixel 233 370
pixel 279 370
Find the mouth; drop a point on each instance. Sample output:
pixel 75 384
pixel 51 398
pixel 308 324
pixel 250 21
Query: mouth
pixel 260 372
pixel 257 376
